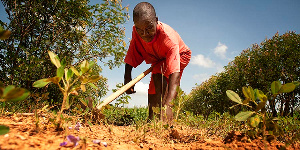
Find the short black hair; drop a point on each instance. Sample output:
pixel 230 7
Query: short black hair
pixel 143 9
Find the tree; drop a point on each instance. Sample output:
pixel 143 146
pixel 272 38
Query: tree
pixel 73 29
pixel 275 59
pixel 278 60
pixel 210 96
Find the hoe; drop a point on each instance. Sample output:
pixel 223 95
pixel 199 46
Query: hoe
pixel 123 89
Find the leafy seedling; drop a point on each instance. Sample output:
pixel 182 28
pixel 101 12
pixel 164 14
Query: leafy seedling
pixel 11 94
pixel 67 82
pixel 257 119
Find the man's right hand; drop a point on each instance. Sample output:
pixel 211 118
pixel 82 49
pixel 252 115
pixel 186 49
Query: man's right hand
pixel 130 90
pixel 126 80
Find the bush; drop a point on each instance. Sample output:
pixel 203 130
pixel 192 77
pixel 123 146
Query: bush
pixel 275 59
pixel 125 116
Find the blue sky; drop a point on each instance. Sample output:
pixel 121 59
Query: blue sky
pixel 215 30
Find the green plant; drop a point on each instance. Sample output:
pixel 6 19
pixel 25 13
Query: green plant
pixel 125 116
pixel 123 98
pixel 39 97
pixel 273 59
pixel 179 102
pixel 75 30
pixel 86 110
pixel 67 83
pixel 290 126
pixel 258 119
pixel 215 124
pixel 11 94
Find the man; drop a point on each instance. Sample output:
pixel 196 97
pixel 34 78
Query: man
pixel 158 44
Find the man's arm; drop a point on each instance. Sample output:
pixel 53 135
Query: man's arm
pixel 127 78
pixel 174 82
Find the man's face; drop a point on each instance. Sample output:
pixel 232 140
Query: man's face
pixel 146 28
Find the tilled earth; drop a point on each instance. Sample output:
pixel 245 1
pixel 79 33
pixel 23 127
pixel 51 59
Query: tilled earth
pixel 24 135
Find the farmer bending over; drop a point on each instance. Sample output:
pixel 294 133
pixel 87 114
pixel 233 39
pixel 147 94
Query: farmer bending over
pixel 161 46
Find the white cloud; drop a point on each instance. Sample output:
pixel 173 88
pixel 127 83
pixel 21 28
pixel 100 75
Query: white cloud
pixel 221 50
pixel 141 88
pixel 200 60
pixel 140 98
pixel 201 77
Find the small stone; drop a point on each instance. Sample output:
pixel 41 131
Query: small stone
pixel 21 137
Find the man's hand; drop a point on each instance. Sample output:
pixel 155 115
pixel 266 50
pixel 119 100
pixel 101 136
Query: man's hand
pixel 127 78
pixel 130 90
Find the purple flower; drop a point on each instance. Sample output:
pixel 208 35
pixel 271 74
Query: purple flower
pixel 70 139
pixel 63 144
pixel 77 126
pixel 73 139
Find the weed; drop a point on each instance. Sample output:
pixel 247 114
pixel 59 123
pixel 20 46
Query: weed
pixel 10 94
pixel 260 123
pixel 178 102
pixel 70 84
pixel 215 124
pixel 290 127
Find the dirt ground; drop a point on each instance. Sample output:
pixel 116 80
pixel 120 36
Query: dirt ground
pixel 23 135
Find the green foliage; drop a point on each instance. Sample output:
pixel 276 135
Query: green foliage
pixel 178 102
pixel 210 96
pixel 75 30
pixel 243 116
pixel 67 83
pixel 123 98
pixel 4 129
pixel 11 93
pixel 215 124
pixel 118 115
pixel 275 59
pixel 290 126
pixel 125 116
pixel 258 119
pixel 86 110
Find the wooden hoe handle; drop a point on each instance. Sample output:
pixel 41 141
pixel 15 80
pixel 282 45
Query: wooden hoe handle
pixel 124 88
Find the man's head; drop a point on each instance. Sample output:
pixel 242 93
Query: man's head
pixel 145 20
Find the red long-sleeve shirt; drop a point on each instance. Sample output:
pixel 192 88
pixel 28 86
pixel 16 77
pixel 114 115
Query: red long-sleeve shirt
pixel 167 50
